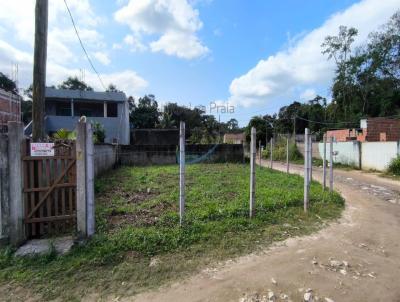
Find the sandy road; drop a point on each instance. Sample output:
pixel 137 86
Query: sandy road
pixel 367 238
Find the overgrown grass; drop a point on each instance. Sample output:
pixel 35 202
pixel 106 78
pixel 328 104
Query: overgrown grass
pixel 139 243
pixel 394 167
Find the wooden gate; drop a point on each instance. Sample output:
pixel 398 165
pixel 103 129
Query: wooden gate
pixel 50 190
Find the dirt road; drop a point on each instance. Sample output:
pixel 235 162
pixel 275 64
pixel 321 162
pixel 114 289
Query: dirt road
pixel 356 259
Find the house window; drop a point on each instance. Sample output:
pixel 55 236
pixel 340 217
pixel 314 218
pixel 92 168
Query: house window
pixel 63 109
pixel 112 110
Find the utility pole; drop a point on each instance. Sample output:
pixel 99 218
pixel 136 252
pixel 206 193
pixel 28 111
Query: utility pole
pixel 39 69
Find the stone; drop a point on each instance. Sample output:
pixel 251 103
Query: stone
pixel 154 262
pixel 328 300
pixel 308 297
pixel 346 264
pixel 271 296
pixel 343 272
pixel 335 263
pixel 283 296
pixel 62 245
pixel 273 281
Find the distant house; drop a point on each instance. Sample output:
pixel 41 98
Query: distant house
pixel 234 138
pixel 378 129
pixel 64 108
pixel 10 109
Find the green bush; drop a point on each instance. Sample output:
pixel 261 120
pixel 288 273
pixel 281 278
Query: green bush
pixel 394 167
pixel 279 152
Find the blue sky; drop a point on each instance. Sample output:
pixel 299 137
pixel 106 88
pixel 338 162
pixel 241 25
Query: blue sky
pixel 255 55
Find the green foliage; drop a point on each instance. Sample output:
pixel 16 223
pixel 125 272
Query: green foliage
pixel 137 219
pixel 279 152
pixel 99 133
pixel 394 166
pixel 64 134
pixel 7 84
pixel 75 84
pixel 144 115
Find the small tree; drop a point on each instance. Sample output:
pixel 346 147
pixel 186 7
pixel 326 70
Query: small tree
pixel 74 83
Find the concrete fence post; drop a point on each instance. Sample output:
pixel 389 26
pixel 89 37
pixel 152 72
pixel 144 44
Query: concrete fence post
pixel 311 156
pixel 324 164
pixel 331 165
pixel 287 155
pixel 260 151
pixel 306 169
pixel 181 172
pixel 252 171
pixel 16 216
pixel 85 215
pixel 4 189
pixel 90 202
pixel 271 153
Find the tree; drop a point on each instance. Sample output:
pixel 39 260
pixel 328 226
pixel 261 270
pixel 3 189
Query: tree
pixel 74 83
pixel 112 88
pixel 264 130
pixel 7 84
pixel 145 114
pixel 232 125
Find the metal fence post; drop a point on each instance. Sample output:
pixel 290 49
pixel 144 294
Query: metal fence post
pixel 272 147
pixel 306 169
pixel 181 172
pixel 287 155
pixel 252 170
pixel 331 166
pixel 324 164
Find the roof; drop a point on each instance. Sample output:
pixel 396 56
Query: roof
pixel 85 95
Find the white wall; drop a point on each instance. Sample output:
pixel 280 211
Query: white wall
pixel 378 155
pixel 348 153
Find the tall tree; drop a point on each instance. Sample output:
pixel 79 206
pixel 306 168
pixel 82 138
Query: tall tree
pixel 144 114
pixel 7 84
pixel 74 83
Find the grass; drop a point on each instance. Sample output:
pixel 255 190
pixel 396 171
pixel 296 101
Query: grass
pixel 139 245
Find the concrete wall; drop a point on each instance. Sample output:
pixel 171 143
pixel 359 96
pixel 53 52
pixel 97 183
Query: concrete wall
pixel 155 137
pixel 348 153
pixel 143 155
pixel 378 155
pixel 315 151
pixel 105 158
pixel 4 188
pixel 364 155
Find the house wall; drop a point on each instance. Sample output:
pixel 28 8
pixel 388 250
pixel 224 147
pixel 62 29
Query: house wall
pixel 378 155
pixel 376 126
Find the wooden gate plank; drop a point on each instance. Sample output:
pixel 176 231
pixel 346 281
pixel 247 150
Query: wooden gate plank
pixel 59 178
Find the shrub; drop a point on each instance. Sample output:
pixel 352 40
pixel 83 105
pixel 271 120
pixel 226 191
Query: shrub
pixel 99 133
pixel 394 167
pixel 279 153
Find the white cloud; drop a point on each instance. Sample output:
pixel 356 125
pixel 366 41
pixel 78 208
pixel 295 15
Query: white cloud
pixel 134 43
pixel 171 44
pixel 102 57
pixel 308 94
pixel 302 63
pixel 65 57
pixel 175 21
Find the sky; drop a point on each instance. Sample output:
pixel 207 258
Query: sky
pixel 248 57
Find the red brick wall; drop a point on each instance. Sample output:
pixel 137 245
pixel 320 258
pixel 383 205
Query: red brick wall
pixel 7 112
pixel 339 135
pixel 376 126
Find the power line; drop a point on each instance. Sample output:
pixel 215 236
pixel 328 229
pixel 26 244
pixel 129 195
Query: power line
pixel 83 47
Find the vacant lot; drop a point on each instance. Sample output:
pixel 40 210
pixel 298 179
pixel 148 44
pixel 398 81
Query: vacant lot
pixel 139 243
